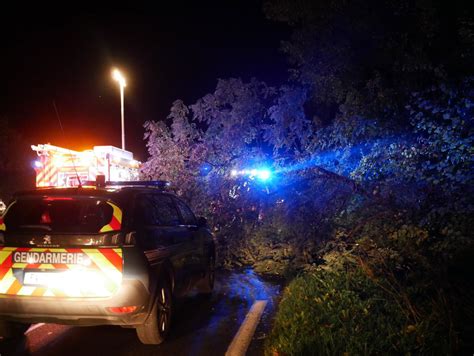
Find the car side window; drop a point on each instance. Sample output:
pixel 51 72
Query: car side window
pixel 144 210
pixel 186 213
pixel 165 211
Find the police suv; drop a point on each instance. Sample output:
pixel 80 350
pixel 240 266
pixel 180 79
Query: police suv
pixel 115 253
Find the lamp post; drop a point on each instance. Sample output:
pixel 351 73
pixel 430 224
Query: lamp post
pixel 122 84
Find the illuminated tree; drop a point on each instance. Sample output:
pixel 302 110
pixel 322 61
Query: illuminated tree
pixel 367 120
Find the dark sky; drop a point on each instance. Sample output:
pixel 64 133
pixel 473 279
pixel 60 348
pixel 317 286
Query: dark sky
pixel 167 53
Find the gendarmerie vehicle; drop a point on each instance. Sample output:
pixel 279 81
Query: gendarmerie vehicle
pixel 113 253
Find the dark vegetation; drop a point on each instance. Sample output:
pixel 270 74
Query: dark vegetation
pixel 15 157
pixel 370 208
pixel 371 205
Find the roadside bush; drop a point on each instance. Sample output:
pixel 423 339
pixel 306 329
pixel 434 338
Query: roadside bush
pixel 392 282
pixel 347 312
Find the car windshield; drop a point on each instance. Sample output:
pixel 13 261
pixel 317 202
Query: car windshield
pixel 59 215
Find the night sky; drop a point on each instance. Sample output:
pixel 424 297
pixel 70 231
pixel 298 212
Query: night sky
pixel 166 54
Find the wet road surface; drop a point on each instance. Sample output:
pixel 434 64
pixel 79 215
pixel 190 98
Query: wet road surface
pixel 201 325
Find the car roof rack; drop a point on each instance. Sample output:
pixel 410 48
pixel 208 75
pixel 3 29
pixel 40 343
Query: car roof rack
pixel 149 183
pixel 101 183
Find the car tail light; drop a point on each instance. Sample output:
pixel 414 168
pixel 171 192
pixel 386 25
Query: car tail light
pixel 57 198
pixel 123 310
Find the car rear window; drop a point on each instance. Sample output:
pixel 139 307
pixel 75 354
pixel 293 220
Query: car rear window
pixel 59 215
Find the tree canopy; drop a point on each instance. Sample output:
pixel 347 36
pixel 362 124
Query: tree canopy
pixel 370 141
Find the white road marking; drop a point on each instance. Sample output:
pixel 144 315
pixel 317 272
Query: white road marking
pixel 34 327
pixel 241 341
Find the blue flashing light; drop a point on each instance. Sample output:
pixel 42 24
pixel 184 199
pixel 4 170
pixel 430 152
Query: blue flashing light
pixel 264 174
pixel 205 169
pixel 37 164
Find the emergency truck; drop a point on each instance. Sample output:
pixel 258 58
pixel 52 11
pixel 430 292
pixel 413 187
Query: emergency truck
pixel 62 167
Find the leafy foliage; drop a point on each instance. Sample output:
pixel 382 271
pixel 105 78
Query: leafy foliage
pixel 371 145
pixel 348 312
pixel 438 150
pixel 365 57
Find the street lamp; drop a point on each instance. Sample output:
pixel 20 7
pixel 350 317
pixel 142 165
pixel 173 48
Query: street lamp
pixel 121 80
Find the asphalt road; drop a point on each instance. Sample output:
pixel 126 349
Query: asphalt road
pixel 201 326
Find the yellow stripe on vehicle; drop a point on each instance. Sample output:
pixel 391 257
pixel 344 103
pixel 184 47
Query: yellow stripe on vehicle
pixel 26 290
pixel 116 221
pixel 47 266
pixel 4 255
pixel 105 265
pixel 101 279
pixel 19 265
pixel 7 282
pixel 48 293
pixel 3 226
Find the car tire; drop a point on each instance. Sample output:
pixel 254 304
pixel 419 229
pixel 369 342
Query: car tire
pixel 206 285
pixel 156 327
pixel 10 330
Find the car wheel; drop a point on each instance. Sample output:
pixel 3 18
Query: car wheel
pixel 156 327
pixel 10 330
pixel 206 285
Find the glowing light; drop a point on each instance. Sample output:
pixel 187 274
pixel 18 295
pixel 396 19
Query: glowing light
pixel 78 282
pixel 122 84
pixel 205 169
pixel 60 161
pixel 38 164
pixel 57 198
pixel 264 174
pixel 86 158
pixel 119 77
pixel 123 310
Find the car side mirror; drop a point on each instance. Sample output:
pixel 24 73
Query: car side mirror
pixel 202 222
